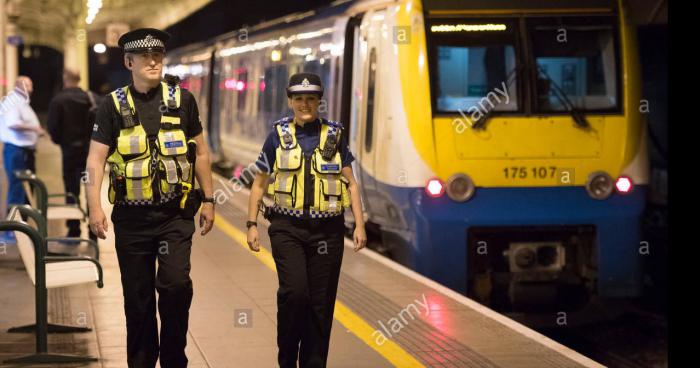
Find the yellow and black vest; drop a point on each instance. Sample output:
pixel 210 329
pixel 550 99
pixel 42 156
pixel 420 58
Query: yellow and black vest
pixel 150 170
pixel 293 170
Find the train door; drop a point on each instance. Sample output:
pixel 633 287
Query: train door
pixel 213 116
pixel 364 105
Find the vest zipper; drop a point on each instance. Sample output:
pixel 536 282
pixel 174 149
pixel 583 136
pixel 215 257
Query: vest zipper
pixel 155 185
pixel 309 184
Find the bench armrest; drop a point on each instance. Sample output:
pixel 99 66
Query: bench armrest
pixel 91 243
pixel 53 259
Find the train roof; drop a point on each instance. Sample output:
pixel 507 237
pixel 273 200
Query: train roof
pixel 447 5
pixel 333 9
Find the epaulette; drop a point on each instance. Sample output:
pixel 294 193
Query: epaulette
pixel 285 119
pixel 332 123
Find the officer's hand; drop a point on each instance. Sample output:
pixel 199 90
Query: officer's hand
pixel 253 239
pixel 98 223
pixel 206 217
pixel 360 238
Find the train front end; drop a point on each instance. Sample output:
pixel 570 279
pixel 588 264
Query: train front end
pixel 537 154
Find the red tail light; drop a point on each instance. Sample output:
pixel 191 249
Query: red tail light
pixel 624 185
pixel 435 188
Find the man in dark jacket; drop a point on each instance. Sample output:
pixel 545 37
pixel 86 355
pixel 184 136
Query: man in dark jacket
pixel 70 127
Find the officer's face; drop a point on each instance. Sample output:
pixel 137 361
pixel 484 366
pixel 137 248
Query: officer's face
pixel 147 65
pixel 305 106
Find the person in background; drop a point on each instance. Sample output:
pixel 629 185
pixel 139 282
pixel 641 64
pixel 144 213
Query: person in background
pixel 70 125
pixel 19 133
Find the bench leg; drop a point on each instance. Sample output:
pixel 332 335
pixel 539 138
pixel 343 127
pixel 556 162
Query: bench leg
pixel 48 358
pixel 52 328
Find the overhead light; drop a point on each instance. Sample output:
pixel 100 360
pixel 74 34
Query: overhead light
pixel 300 51
pixel 276 55
pixel 99 48
pixel 467 27
pixel 93 7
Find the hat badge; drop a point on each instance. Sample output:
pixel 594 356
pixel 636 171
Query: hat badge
pixel 305 82
pixel 149 38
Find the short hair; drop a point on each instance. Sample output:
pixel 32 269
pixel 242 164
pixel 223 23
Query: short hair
pixel 71 74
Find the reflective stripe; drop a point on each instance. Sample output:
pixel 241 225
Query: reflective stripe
pixel 137 168
pixel 184 167
pixel 134 143
pixel 282 178
pixel 170 170
pixel 284 158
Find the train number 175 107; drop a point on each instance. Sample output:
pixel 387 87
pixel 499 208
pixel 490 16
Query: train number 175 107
pixel 523 172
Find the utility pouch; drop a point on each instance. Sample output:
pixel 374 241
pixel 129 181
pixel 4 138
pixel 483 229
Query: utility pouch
pixel 127 117
pixel 192 203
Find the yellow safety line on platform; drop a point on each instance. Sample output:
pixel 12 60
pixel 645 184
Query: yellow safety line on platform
pixel 390 350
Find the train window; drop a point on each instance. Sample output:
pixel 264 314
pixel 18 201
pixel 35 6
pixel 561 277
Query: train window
pixel 371 85
pixel 576 60
pixel 274 94
pixel 473 65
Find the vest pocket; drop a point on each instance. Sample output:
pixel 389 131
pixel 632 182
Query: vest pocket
pixel 286 190
pixel 138 179
pixel 132 145
pixel 172 142
pixel 322 166
pixel 330 196
pixel 288 160
pixel 346 194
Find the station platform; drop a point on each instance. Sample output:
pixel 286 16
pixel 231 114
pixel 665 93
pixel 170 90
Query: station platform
pixel 386 315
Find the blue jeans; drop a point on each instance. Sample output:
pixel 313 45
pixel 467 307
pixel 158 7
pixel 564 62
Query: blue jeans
pixel 16 158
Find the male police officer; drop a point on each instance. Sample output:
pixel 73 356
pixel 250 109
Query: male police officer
pixel 147 131
pixel 313 182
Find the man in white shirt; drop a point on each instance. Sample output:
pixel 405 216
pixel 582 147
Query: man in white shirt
pixel 19 132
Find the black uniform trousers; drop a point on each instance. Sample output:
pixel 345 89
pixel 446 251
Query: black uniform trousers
pixel 73 161
pixel 144 236
pixel 308 254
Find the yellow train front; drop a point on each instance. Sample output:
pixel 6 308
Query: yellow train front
pixel 500 147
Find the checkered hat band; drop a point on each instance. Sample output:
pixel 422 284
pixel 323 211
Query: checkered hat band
pixel 143 44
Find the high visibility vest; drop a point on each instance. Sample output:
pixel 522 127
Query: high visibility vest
pixel 330 193
pixel 150 170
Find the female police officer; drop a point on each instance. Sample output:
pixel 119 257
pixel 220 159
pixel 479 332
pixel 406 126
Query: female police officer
pixel 313 182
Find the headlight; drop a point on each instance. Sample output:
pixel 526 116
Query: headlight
pixel 460 187
pixel 524 257
pixel 599 185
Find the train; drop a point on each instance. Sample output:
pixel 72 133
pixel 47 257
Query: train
pixel 499 145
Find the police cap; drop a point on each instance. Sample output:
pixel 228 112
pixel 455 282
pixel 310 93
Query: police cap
pixel 304 83
pixel 144 40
